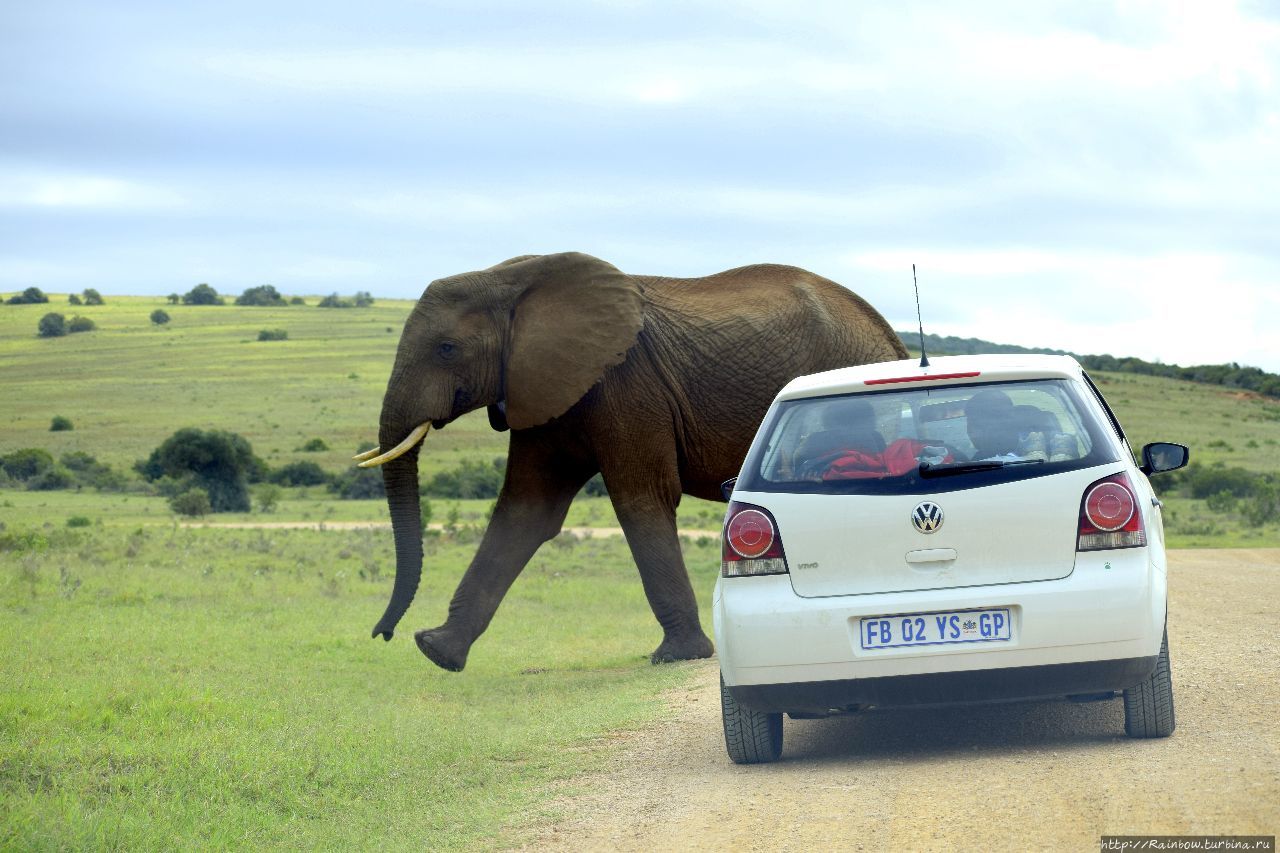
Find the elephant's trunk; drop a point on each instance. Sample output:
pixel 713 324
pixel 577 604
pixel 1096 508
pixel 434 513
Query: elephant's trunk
pixel 400 475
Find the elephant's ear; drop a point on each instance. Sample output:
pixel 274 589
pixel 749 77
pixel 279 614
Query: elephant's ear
pixel 576 317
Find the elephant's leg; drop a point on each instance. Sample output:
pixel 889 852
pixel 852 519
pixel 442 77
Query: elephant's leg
pixel 645 498
pixel 541 482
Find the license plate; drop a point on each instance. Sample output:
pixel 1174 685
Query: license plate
pixel 936 629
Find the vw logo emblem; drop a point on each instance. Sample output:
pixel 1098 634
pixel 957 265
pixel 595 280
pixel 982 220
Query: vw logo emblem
pixel 927 517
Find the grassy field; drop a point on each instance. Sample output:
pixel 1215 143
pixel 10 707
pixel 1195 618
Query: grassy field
pixel 178 688
pixel 169 686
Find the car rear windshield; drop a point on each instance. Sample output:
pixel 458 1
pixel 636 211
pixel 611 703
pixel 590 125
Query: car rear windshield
pixel 922 440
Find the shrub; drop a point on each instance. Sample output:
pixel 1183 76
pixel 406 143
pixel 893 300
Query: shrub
pixel 79 521
pixel 1264 507
pixel 159 317
pixel 81 324
pixel 469 480
pixel 222 464
pixel 30 296
pixel 52 479
pixel 1204 481
pixel 1222 501
pixel 262 295
pixel 73 299
pixel 595 488
pixel 297 300
pixel 26 463
pixel 315 445
pixel 193 503
pixel 333 300
pixel 268 497
pixel 92 297
pixel 52 325
pixel 88 471
pixel 363 299
pixel 300 474
pixel 273 335
pixel 202 294
pixel 359 484
pixel 174 298
pixel 61 424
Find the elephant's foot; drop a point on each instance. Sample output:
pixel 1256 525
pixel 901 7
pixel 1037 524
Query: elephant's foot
pixel 687 647
pixel 443 649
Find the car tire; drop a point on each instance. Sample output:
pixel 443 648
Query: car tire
pixel 751 737
pixel 1148 706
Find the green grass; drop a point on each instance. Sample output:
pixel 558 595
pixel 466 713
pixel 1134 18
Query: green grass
pixel 213 688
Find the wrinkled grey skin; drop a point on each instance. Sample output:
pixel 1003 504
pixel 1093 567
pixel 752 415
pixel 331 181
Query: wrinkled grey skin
pixel 657 383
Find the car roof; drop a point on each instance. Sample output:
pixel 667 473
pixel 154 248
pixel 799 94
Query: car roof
pixel 943 370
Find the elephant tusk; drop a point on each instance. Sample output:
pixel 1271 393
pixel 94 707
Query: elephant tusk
pixel 400 449
pixel 368 454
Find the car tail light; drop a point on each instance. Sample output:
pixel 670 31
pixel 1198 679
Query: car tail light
pixel 751 544
pixel 1109 516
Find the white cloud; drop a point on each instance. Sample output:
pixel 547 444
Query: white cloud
pixel 84 191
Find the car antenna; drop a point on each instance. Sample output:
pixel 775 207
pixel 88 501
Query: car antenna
pixel 924 359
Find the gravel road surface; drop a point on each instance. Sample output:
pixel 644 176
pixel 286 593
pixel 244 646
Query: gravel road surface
pixel 1051 776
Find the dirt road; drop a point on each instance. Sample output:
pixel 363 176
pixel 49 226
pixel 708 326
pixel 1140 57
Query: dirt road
pixel 1030 776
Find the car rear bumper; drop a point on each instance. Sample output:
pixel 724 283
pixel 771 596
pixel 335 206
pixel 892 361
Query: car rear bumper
pixel 1096 630
pixel 946 688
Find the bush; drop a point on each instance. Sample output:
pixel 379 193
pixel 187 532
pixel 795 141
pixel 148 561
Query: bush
pixel 300 474
pixel 194 503
pixel 469 480
pixel 174 298
pixel 268 497
pixel 315 445
pixel 202 294
pixel 159 317
pixel 273 335
pixel 30 296
pixel 26 463
pixel 52 479
pixel 297 300
pixel 595 488
pixel 357 484
pixel 333 300
pixel 88 471
pixel 52 325
pixel 61 424
pixel 221 463
pixel 92 297
pixel 73 299
pixel 1204 481
pixel 262 295
pixel 81 324
pixel 79 521
pixel 1264 507
pixel 1222 501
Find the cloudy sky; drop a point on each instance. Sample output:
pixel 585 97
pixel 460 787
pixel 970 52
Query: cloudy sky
pixel 1099 177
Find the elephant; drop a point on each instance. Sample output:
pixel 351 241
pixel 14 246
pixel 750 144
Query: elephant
pixel 656 383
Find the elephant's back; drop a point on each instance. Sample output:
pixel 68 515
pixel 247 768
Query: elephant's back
pixel 776 302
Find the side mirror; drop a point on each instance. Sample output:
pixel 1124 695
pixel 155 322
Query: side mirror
pixel 726 488
pixel 1162 456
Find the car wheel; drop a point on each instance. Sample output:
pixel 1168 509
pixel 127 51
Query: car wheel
pixel 751 737
pixel 1148 707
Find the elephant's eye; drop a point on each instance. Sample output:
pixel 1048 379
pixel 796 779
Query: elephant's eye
pixel 447 350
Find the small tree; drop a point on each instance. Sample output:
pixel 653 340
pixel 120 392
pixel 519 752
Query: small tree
pixel 174 298
pixel 92 297
pixel 30 296
pixel 300 474
pixel 194 503
pixel 81 324
pixel 73 299
pixel 268 497
pixel 262 295
pixel 202 294
pixel 26 463
pixel 273 335
pixel 363 299
pixel 222 464
pixel 297 300
pixel 333 300
pixel 159 316
pixel 52 325
pixel 314 445
pixel 61 424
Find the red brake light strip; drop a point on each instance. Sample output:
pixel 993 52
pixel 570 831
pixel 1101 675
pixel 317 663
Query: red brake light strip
pixel 921 378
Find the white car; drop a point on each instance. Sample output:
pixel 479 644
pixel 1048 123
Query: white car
pixel 974 530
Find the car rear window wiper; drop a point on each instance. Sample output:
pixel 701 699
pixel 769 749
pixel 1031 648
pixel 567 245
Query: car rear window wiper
pixel 943 469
